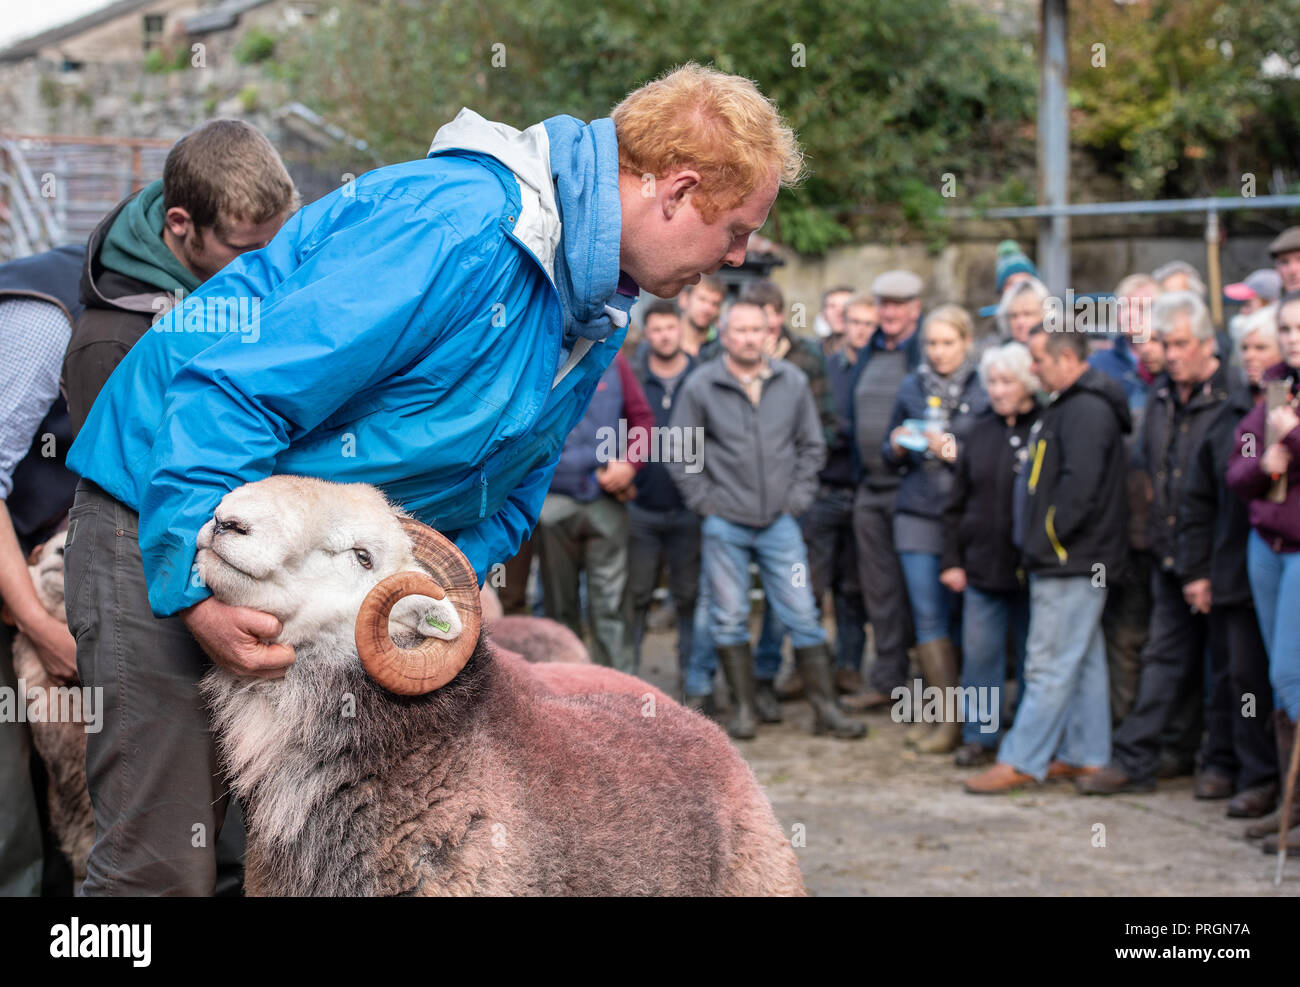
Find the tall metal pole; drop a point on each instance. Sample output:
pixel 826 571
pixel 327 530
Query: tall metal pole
pixel 1053 147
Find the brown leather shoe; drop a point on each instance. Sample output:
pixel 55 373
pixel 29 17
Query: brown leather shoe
pixel 1269 845
pixel 1263 826
pixel 870 701
pixel 1252 803
pixel 1111 780
pixel 1211 785
pixel 848 681
pixel 998 779
pixel 1060 771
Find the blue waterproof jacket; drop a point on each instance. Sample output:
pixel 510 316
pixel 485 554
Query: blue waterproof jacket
pixel 432 328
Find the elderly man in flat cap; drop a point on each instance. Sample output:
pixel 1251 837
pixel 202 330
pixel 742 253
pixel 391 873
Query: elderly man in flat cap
pixel 1285 251
pixel 893 353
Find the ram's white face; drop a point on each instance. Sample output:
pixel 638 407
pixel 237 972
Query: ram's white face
pixel 307 552
pixel 46 570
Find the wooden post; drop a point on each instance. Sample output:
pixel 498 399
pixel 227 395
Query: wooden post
pixel 1212 267
pixel 1276 394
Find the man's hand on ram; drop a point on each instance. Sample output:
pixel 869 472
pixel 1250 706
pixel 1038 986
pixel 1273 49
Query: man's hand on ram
pixel 235 638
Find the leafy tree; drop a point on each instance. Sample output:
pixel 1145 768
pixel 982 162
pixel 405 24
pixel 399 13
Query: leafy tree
pixel 888 96
pixel 1184 96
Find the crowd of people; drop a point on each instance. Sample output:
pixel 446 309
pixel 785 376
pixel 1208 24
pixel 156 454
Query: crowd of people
pixel 1085 541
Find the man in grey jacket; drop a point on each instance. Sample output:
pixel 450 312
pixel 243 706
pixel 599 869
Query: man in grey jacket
pixel 762 450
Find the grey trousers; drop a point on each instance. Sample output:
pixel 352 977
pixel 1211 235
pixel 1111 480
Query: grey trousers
pixel 883 588
pixel 158 795
pixel 570 536
pixel 659 540
pixel 21 854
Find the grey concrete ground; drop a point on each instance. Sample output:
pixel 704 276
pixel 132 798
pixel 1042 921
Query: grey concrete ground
pixel 879 819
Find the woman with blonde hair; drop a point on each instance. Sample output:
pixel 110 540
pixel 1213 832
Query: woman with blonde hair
pixel 933 413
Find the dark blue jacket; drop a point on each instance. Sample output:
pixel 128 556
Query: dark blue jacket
pixel 927 482
pixel 575 474
pixel 839 470
pixel 655 488
pixel 1120 364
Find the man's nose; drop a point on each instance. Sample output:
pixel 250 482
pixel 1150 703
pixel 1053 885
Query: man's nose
pixel 736 255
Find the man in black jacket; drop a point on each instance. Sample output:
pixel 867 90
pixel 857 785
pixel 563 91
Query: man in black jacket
pixel 1213 528
pixel 1072 521
pixel 663 531
pixel 224 192
pixel 1180 409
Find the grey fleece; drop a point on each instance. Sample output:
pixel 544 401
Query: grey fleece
pixel 757 461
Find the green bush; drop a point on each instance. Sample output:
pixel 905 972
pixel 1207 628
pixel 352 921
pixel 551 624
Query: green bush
pixel 155 61
pixel 257 45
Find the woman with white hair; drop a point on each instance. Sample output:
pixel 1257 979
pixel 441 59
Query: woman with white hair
pixel 980 558
pixel 1020 309
pixel 1255 339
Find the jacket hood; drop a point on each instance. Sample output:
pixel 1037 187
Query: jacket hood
pixel 1096 382
pixel 568 178
pixel 102 288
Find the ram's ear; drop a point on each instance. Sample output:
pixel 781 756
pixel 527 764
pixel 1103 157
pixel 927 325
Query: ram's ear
pixel 428 617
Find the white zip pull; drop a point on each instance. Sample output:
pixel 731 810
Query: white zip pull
pixel 617 316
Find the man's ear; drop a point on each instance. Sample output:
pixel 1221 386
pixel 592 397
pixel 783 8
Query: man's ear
pixel 679 185
pixel 178 222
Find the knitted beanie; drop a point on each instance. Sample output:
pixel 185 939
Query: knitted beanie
pixel 1011 260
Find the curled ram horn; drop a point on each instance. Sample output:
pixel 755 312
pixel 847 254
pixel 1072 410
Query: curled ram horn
pixel 435 662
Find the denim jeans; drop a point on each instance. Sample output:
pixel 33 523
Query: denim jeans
pixel 986 618
pixel 931 601
pixel 827 528
pixel 702 661
pixel 1066 708
pixel 1275 584
pixel 778 548
pixel 767 656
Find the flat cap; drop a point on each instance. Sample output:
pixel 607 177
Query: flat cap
pixel 1287 240
pixel 897 284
